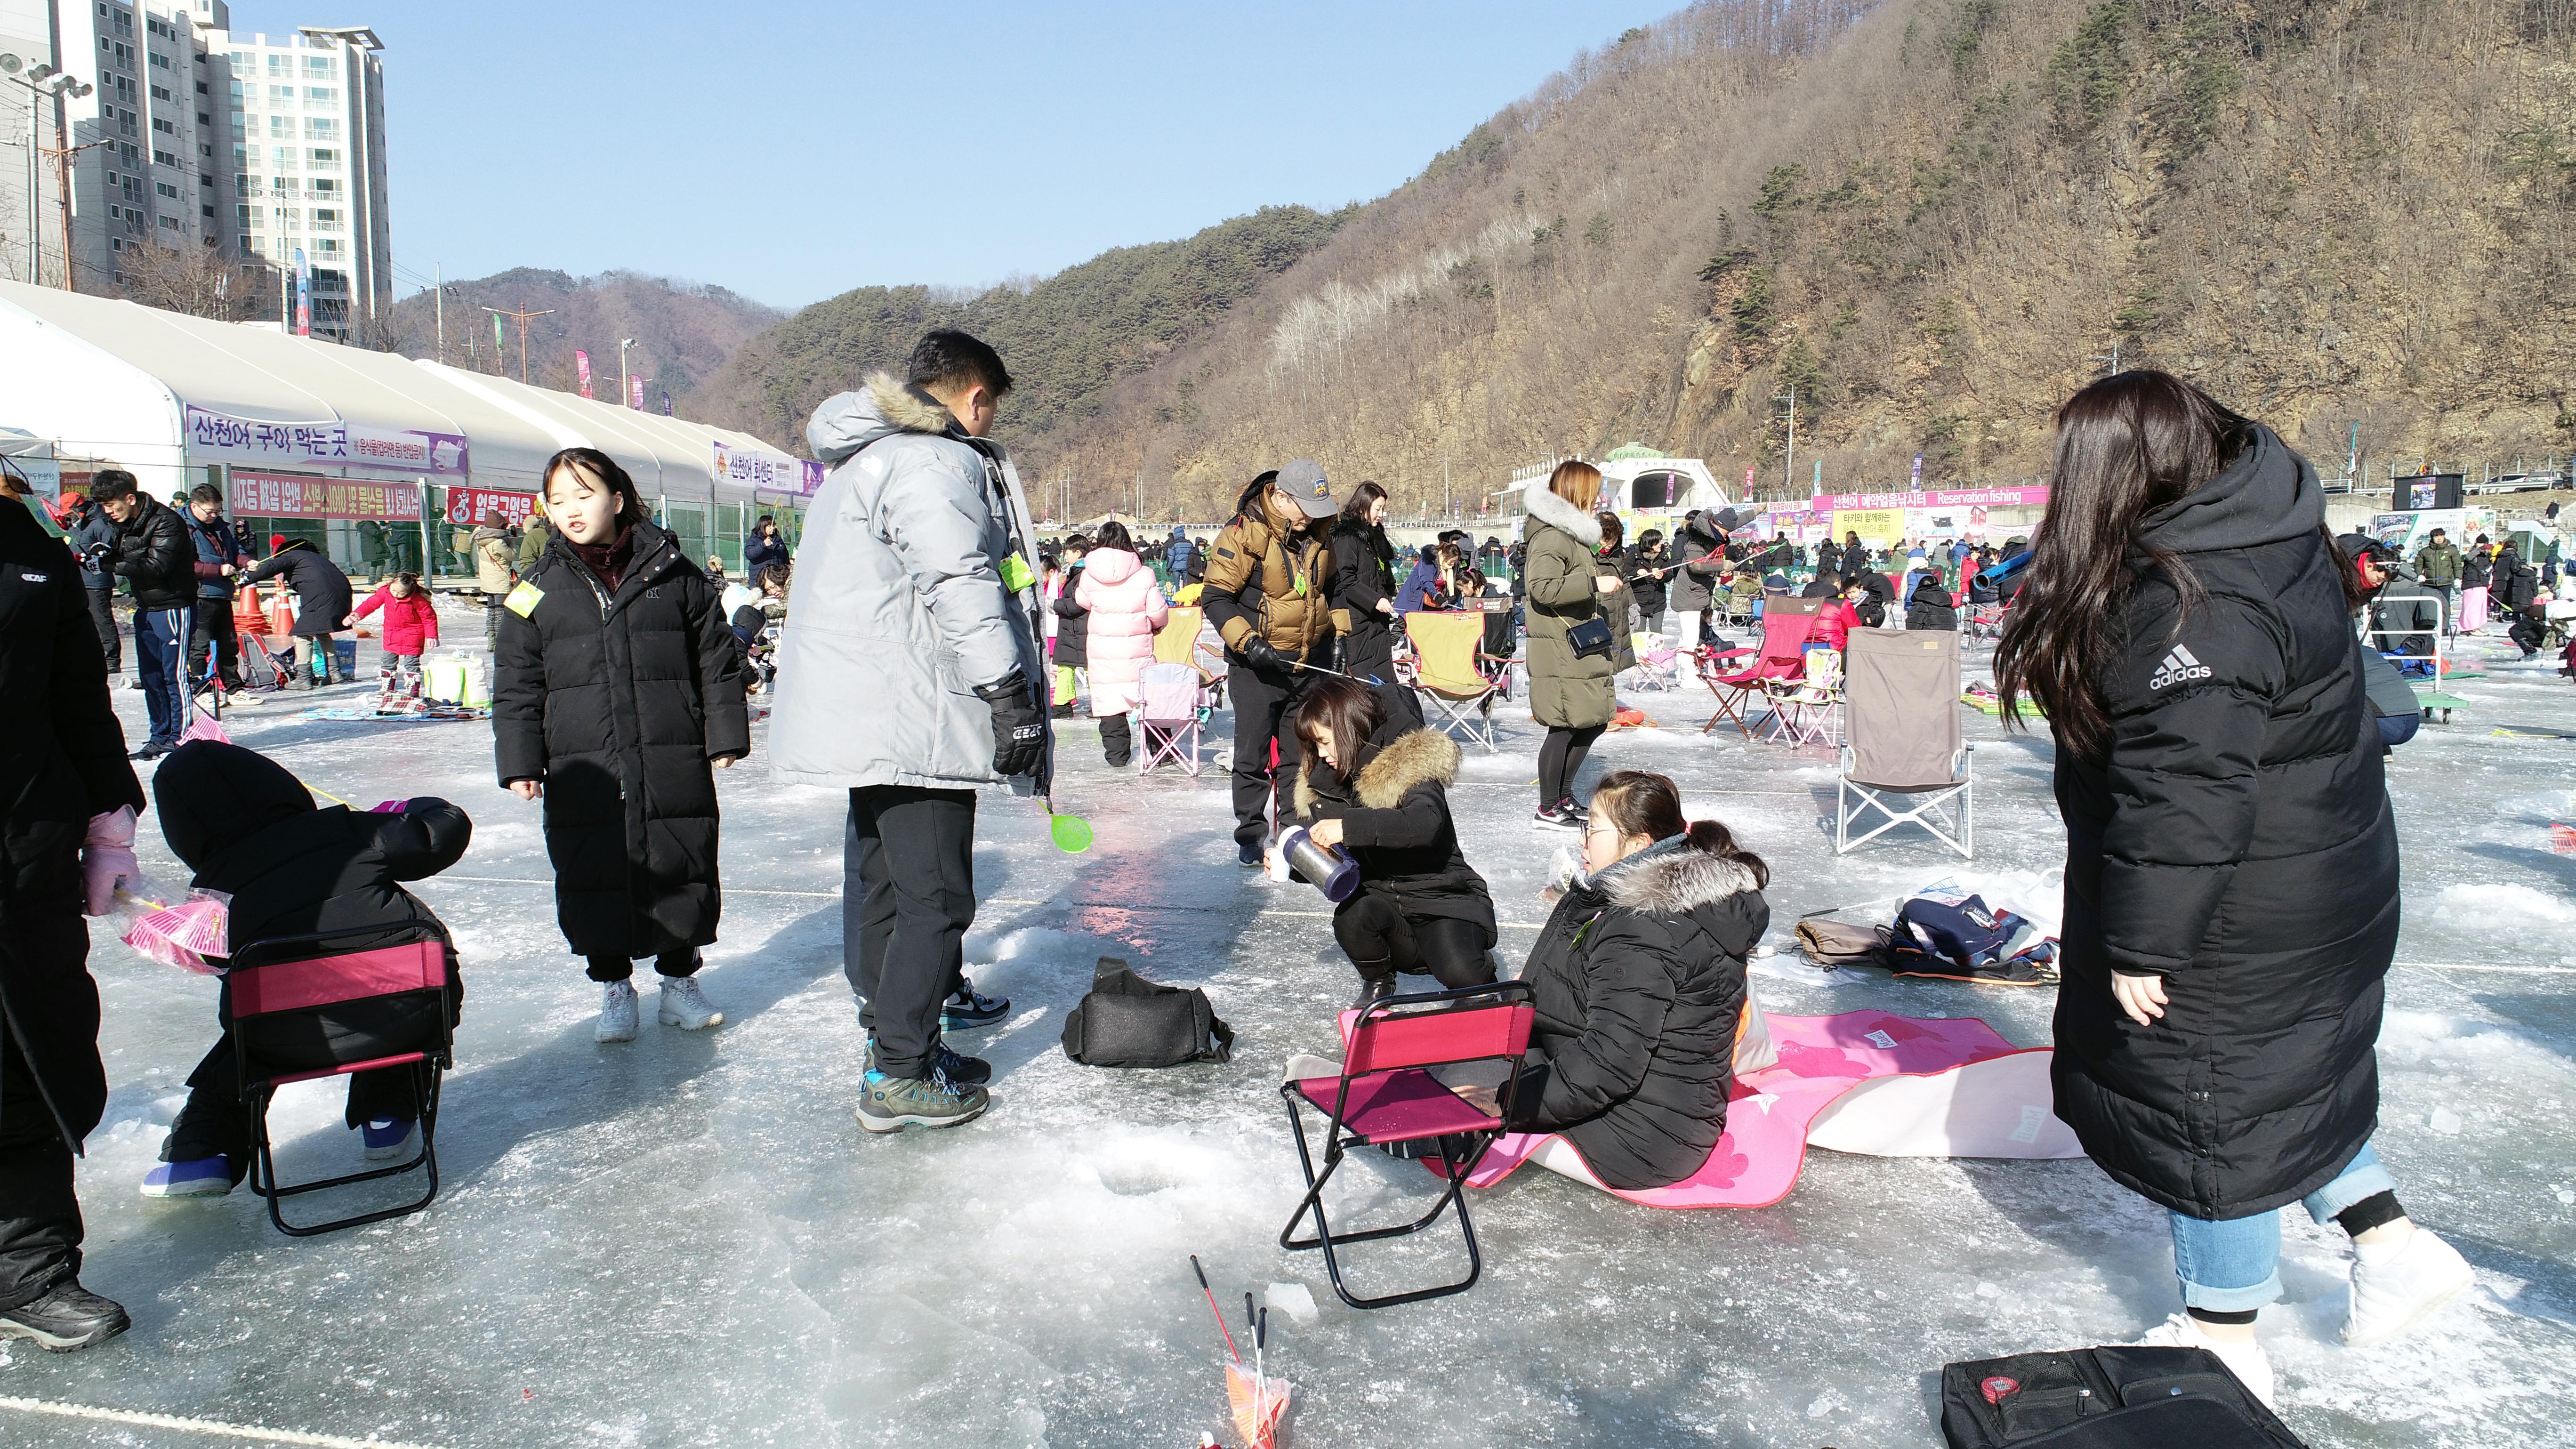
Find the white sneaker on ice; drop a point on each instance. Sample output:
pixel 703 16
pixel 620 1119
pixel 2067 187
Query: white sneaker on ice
pixel 617 1012
pixel 2243 1358
pixel 685 1006
pixel 2402 1288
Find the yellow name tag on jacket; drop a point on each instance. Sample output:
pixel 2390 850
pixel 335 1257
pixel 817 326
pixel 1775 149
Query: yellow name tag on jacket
pixel 522 600
pixel 1016 574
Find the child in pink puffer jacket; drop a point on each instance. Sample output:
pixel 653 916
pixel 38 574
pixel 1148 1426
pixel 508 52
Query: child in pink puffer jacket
pixel 1126 609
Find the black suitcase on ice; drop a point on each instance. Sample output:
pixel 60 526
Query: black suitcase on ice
pixel 2105 1398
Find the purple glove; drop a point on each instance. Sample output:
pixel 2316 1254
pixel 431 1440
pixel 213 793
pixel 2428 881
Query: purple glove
pixel 107 857
pixel 390 807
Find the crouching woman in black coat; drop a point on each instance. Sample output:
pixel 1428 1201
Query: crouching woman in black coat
pixel 619 684
pixel 2231 859
pixel 1379 791
pixel 1639 985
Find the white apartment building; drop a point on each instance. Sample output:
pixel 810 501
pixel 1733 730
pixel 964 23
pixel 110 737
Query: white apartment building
pixel 196 136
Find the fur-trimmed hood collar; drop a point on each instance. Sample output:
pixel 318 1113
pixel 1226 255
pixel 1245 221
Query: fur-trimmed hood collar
pixel 1416 757
pixel 1545 507
pixel 1673 877
pixel 883 404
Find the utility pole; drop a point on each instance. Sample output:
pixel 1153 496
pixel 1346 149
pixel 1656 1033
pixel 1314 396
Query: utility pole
pixel 625 384
pixel 1789 465
pixel 2112 357
pixel 522 316
pixel 439 303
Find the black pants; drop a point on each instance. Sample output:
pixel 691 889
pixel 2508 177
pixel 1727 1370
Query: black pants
pixel 1117 746
pixel 1381 940
pixel 1262 704
pixel 102 616
pixel 1368 651
pixel 214 630
pixel 907 897
pixel 1560 759
pixel 683 962
pixel 40 1220
pixel 2528 631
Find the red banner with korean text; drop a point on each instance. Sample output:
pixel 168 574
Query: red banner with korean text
pixel 302 495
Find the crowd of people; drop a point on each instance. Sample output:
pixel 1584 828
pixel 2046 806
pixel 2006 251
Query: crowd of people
pixel 2231 892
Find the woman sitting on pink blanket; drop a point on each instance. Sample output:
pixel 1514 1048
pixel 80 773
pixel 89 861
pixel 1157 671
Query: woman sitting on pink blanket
pixel 1639 983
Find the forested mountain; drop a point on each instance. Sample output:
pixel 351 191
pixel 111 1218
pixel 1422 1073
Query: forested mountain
pixel 1066 339
pixel 683 333
pixel 1934 219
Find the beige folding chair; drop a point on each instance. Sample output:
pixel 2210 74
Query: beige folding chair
pixel 1904 755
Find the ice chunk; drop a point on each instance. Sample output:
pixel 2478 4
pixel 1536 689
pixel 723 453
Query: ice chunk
pixel 2445 1121
pixel 1292 1299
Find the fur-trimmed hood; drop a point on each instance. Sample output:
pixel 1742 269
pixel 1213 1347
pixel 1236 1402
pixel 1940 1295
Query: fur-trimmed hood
pixel 1416 757
pixel 1545 507
pixel 1672 877
pixel 883 404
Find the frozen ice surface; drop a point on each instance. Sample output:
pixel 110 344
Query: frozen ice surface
pixel 687 1240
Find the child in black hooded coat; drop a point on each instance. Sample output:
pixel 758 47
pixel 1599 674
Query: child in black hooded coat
pixel 250 830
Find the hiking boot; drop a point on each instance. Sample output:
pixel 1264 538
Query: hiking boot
pixel 890 1104
pixel 71 1317
pixel 2243 1357
pixel 1373 989
pixel 965 1011
pixel 2402 1284
pixel 386 1138
pixel 197 1177
pixel 617 1012
pixel 685 1006
pixel 958 1067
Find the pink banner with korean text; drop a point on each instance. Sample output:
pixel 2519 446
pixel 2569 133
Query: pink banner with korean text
pixel 1943 499
pixel 302 495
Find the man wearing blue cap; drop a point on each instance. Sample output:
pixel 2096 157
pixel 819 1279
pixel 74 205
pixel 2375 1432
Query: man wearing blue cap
pixel 1267 574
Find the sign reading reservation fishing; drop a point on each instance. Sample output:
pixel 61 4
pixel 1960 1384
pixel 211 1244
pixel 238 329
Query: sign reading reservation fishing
pixel 1941 498
pixel 256 440
pixel 301 495
pixel 468 506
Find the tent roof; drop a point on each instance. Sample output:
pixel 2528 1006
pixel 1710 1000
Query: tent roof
pixel 126 374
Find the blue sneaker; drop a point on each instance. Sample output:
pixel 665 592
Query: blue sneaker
pixel 387 1138
pixel 964 1011
pixel 203 1177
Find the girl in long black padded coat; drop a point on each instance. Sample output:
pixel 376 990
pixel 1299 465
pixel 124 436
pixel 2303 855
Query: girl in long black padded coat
pixel 619 686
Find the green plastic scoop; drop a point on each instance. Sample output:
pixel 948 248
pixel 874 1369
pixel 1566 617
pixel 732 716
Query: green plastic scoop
pixel 1072 833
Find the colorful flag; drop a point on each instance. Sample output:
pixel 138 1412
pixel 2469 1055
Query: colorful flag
pixel 500 342
pixel 303 295
pixel 1918 472
pixel 666 404
pixel 635 394
pixel 581 369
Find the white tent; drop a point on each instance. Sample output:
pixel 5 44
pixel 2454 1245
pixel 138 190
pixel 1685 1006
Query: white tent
pixel 173 398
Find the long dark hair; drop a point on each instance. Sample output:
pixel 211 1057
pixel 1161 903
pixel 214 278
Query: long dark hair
pixel 1641 802
pixel 1356 507
pixel 1350 709
pixel 2126 446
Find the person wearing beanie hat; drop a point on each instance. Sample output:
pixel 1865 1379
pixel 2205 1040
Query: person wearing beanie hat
pixel 1274 554
pixel 276 541
pixel 251 831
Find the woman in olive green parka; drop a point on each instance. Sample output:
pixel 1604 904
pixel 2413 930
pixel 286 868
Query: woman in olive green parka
pixel 1573 696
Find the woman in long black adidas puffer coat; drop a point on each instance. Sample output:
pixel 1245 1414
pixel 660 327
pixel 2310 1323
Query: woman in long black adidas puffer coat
pixel 617 698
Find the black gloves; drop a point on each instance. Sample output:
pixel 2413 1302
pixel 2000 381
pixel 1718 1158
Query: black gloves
pixel 1259 653
pixel 1019 726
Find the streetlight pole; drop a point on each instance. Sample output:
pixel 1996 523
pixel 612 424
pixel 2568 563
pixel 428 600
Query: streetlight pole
pixel 625 384
pixel 1789 465
pixel 44 82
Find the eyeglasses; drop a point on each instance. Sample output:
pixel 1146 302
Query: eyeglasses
pixel 1592 830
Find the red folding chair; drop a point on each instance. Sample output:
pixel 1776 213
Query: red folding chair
pixel 277 995
pixel 1782 656
pixel 1387 1093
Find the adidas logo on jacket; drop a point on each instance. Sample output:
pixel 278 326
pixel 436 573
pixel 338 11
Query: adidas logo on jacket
pixel 2177 667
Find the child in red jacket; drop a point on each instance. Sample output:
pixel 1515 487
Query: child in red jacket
pixel 411 623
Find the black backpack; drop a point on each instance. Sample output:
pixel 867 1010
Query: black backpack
pixel 2105 1398
pixel 1128 1021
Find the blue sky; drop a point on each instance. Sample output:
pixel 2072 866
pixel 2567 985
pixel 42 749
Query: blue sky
pixel 791 150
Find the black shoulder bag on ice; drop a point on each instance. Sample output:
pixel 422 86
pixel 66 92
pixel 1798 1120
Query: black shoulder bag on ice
pixel 2105 1398
pixel 1128 1021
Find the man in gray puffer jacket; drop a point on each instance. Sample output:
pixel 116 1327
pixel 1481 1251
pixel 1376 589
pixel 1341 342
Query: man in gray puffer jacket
pixel 905 676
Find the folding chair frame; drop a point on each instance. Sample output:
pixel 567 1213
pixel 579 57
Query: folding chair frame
pixel 259 1091
pixel 1454 1169
pixel 1472 715
pixel 1949 811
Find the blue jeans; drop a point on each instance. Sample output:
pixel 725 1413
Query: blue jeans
pixel 2234 1266
pixel 161 657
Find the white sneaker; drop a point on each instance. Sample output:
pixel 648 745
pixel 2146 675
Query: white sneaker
pixel 2244 1359
pixel 617 1012
pixel 2399 1288
pixel 685 1006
